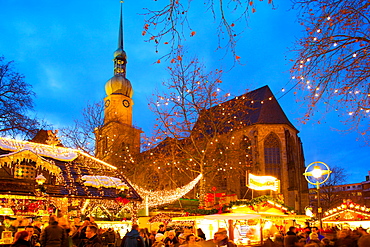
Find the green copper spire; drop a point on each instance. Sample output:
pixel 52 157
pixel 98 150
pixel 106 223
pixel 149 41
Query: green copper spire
pixel 119 84
pixel 120 35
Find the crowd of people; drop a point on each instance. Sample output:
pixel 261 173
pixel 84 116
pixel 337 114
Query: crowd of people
pixel 311 237
pixel 162 238
pixel 60 234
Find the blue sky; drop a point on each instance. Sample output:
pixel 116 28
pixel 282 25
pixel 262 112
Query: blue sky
pixel 65 50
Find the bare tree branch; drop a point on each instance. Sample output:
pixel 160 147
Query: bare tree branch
pixel 333 62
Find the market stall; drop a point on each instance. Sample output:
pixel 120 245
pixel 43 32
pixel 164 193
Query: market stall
pixel 347 215
pixel 249 223
pixel 40 179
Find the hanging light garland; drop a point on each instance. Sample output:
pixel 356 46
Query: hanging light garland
pixel 156 198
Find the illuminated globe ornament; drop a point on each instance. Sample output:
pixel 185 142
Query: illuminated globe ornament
pixel 317 173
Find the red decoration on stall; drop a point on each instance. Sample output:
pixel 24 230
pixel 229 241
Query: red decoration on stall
pixel 124 201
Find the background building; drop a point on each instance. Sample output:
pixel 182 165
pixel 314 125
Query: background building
pixel 247 134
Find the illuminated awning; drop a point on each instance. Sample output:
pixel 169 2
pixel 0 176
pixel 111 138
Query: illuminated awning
pixel 232 216
pixel 8 159
pixel 188 218
pixel 6 211
pixel 284 217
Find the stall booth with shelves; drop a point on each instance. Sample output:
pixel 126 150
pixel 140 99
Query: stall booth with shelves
pixel 38 180
pixel 247 225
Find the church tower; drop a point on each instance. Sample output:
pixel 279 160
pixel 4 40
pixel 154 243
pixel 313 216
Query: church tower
pixel 118 136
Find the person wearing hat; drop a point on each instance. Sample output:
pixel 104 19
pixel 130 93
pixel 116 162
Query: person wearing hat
pixel 171 240
pixel 220 238
pixel 182 239
pixel 158 240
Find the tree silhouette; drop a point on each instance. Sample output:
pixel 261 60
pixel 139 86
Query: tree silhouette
pixel 81 135
pixel 330 195
pixel 16 103
pixel 193 133
pixel 332 62
pixel 169 25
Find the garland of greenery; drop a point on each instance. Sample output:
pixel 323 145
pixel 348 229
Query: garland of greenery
pixel 252 202
pixel 199 211
pixel 259 200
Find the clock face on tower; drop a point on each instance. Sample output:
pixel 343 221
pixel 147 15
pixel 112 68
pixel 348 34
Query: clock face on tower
pixel 126 103
pixel 107 103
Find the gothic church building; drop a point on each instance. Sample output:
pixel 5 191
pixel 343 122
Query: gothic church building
pixel 263 141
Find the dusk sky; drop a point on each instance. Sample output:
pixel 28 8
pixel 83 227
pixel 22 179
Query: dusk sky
pixel 65 50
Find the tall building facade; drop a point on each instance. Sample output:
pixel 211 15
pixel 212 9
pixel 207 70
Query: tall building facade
pixel 253 136
pixel 118 136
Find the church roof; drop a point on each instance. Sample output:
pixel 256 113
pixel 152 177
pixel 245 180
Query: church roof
pixel 261 107
pixel 69 172
pixel 256 107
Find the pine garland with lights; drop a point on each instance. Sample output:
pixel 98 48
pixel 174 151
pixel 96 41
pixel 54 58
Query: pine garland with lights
pixel 260 200
pixel 200 211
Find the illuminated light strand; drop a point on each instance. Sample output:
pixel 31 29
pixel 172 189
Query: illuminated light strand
pixel 103 181
pixel 45 164
pixel 97 160
pixel 335 91
pixel 156 198
pixel 59 153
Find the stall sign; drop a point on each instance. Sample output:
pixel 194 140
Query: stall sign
pixel 263 182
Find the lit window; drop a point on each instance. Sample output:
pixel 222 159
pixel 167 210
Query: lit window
pixel 23 171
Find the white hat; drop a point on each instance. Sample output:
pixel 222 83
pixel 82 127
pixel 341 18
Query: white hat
pixel 159 236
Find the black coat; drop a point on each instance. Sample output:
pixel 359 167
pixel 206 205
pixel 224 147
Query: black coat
pixel 53 236
pixel 21 243
pixel 95 241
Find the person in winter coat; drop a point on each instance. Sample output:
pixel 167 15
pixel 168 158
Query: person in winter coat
pixel 93 240
pixel 20 239
pixel 144 235
pixel 53 235
pixel 291 239
pixel 221 238
pixel 109 237
pixel 171 240
pixel 133 238
pixel 191 241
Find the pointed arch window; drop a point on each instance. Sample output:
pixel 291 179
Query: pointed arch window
pixel 245 161
pixel 290 151
pixel 272 151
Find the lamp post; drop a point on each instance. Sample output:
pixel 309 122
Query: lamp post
pixel 317 173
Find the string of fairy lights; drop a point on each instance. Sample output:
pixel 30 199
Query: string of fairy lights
pixel 183 164
pixel 156 198
pixel 322 38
